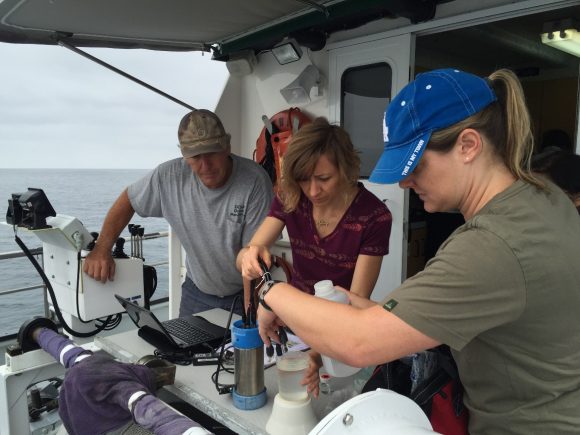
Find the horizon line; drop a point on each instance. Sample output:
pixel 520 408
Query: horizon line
pixel 76 168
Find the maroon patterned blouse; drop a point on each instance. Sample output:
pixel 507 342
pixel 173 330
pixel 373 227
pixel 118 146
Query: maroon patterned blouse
pixel 364 229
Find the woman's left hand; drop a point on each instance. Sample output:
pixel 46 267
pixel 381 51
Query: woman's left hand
pixel 268 325
pixel 356 300
pixel 311 376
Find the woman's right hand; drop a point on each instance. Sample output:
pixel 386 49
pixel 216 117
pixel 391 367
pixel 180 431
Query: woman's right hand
pixel 250 267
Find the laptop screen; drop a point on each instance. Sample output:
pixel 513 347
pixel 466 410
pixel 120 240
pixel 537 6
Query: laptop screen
pixel 140 316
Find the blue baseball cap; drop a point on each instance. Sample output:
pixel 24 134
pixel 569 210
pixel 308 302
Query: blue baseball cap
pixel 433 101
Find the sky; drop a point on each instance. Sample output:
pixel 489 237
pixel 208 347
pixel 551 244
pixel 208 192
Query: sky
pixel 61 110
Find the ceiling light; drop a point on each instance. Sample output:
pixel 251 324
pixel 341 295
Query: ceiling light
pixel 287 51
pixel 562 35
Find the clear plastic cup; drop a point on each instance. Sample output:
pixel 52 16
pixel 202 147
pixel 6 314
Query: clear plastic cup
pixel 291 367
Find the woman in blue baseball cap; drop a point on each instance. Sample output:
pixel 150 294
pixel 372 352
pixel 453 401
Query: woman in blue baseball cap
pixel 503 291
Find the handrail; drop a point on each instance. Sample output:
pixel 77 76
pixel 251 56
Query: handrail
pixel 38 251
pixel 20 289
pixel 156 235
pixel 18 254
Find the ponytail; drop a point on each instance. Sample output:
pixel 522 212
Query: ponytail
pixel 518 144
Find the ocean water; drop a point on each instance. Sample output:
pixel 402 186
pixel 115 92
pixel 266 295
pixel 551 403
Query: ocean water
pixel 86 194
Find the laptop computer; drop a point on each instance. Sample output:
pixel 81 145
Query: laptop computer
pixel 192 333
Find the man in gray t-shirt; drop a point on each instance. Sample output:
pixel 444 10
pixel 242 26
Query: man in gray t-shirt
pixel 213 200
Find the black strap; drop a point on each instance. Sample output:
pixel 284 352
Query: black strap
pixel 268 161
pixel 431 386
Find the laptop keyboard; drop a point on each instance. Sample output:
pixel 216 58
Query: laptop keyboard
pixel 187 332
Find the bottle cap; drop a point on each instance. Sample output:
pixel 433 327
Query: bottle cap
pixel 324 288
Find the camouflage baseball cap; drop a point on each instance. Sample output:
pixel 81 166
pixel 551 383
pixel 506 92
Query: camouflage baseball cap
pixel 200 132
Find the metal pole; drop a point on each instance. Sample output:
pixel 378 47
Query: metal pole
pixel 123 73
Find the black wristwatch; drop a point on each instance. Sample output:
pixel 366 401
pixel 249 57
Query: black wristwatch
pixel 264 289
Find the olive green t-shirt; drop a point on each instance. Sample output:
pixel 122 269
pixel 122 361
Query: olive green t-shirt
pixel 504 293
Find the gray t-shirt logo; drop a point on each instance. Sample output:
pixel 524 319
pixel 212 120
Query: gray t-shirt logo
pixel 239 212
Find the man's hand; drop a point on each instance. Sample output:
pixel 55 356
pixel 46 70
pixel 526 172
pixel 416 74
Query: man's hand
pixel 99 264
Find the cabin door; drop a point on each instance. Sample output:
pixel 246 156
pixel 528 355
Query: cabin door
pixel 363 77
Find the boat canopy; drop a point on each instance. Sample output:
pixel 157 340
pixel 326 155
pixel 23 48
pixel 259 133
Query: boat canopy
pixel 223 27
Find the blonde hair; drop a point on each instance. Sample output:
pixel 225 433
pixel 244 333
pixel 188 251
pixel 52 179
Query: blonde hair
pixel 308 144
pixel 505 122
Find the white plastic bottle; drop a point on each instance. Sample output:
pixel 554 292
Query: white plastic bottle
pixel 335 391
pixel 325 289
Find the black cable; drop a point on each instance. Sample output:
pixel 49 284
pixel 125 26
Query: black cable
pixel 77 289
pixel 116 321
pixel 243 308
pixel 224 388
pixel 268 162
pixel 106 323
pixel 179 358
pixel 57 311
pixel 252 312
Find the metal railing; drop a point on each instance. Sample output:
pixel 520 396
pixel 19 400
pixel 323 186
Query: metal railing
pixel 37 253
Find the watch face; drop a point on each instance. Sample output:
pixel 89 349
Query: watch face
pixel 264 289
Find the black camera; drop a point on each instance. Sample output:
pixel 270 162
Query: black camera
pixel 29 209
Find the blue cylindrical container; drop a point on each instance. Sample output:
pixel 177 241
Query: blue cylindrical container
pixel 249 391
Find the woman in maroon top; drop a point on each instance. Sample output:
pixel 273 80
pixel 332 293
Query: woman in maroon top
pixel 338 230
